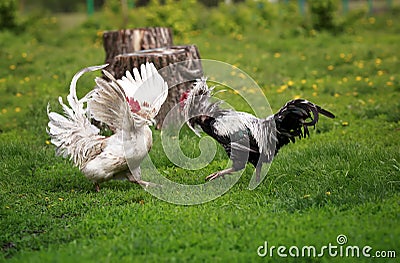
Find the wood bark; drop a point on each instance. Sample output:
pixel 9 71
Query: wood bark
pixel 180 66
pixel 130 40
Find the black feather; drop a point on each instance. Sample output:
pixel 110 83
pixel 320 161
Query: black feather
pixel 240 134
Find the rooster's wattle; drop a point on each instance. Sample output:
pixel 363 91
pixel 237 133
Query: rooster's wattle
pixel 127 106
pixel 244 137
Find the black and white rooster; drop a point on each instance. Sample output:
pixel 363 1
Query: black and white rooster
pixel 244 137
pixel 127 106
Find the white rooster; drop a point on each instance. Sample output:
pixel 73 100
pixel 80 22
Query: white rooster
pixel 128 106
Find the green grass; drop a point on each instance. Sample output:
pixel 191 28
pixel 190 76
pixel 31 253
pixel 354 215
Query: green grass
pixel 345 179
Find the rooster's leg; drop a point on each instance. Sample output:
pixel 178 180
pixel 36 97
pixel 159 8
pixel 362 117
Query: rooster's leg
pixel 145 183
pixel 97 187
pixel 135 177
pixel 220 173
pixel 258 171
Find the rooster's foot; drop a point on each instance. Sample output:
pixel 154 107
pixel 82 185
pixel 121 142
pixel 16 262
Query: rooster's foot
pixel 97 187
pixel 219 174
pixel 146 184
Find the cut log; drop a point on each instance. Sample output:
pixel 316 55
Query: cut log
pixel 130 40
pixel 180 66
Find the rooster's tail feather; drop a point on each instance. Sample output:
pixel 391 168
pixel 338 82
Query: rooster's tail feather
pixel 291 120
pixel 72 133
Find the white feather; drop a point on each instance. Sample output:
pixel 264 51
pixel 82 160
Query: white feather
pixel 103 158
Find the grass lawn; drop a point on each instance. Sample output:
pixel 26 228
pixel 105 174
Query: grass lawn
pixel 344 180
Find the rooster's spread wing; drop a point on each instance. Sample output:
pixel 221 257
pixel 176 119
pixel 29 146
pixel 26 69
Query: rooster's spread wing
pixel 148 88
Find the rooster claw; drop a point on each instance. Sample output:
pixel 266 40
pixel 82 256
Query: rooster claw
pixel 219 174
pixel 146 184
pixel 214 176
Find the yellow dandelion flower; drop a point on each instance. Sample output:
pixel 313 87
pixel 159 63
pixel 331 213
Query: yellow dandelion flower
pixel 303 81
pixel 348 58
pixel 355 93
pixel 295 97
pixel 378 61
pixel 17 109
pixel 328 193
pixel 315 94
pixel 55 76
pixel 290 83
pixel 277 55
pixel 27 79
pixel 241 75
pixel 331 67
pixel 360 64
pixel 24 55
pixel 389 83
pixel 380 72
pixel 342 55
pixel 344 79
pixel 371 20
pixel 282 88
pixel 337 95
pixel 18 95
pixel 252 91
pixel 370 83
pixel 314 86
pixel 4 111
pixel 48 142
pixel 60 199
pixel 358 78
pixel 2 80
pixel 99 33
pixel 345 123
pixel 13 67
pixel 391 78
pixel 371 100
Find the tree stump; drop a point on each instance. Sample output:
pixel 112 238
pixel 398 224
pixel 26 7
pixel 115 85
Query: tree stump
pixel 180 66
pixel 130 40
